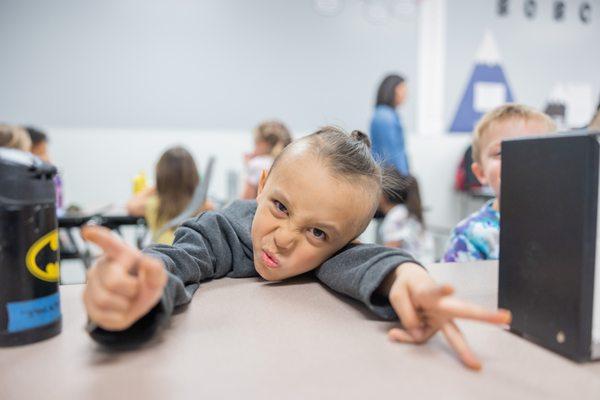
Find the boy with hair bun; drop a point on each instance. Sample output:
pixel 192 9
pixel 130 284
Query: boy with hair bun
pixel 318 197
pixel 477 236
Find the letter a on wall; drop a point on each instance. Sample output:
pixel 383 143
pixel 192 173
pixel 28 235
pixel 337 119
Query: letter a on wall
pixel 487 87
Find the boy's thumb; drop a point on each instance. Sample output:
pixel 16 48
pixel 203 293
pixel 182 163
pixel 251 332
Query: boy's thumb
pixel 154 272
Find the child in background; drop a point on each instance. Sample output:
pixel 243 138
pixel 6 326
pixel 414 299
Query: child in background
pixel 403 226
pixel 477 237
pixel 270 138
pixel 39 148
pixel 319 195
pixel 176 180
pixel 14 137
pixel 39 143
pixel 594 124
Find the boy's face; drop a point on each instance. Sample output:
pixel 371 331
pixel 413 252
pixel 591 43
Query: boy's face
pixel 304 216
pixel 487 170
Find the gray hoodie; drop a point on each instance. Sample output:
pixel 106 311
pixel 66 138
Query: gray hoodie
pixel 218 243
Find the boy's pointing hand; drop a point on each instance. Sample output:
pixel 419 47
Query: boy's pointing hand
pixel 123 285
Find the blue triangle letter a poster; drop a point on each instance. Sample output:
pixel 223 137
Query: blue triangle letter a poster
pixel 486 90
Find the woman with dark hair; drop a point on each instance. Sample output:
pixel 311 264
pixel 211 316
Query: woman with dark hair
pixel 387 133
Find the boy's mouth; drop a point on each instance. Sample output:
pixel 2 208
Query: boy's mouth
pixel 269 259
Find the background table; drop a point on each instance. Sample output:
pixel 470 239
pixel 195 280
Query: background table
pixel 245 338
pixel 111 221
pixel 114 219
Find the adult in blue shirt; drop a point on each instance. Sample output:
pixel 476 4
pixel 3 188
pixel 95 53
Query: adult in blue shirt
pixel 387 133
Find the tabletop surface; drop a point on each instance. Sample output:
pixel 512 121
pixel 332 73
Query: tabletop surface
pixel 246 338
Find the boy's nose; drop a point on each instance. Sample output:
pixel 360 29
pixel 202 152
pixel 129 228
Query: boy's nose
pixel 284 238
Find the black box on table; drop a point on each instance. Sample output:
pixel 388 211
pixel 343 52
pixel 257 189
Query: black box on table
pixel 549 274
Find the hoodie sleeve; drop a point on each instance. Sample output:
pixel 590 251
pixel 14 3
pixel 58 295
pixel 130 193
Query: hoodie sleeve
pixel 359 269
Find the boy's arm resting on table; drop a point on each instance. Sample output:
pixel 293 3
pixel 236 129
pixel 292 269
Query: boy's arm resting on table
pixel 360 270
pixel 206 247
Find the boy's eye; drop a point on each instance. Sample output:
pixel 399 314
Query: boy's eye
pixel 319 234
pixel 280 207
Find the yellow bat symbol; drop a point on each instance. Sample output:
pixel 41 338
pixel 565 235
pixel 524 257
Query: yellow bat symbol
pixel 51 272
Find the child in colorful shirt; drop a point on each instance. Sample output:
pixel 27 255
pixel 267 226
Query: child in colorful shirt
pixel 477 237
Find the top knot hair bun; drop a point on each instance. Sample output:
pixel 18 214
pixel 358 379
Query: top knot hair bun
pixel 361 137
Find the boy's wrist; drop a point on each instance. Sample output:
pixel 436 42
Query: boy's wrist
pixel 400 272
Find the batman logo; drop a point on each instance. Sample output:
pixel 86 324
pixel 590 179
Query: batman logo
pixel 50 273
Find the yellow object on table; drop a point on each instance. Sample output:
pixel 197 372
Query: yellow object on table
pixel 139 182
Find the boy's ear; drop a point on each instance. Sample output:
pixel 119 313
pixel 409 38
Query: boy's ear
pixel 262 180
pixel 478 171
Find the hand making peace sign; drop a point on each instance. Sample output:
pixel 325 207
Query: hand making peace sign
pixel 425 307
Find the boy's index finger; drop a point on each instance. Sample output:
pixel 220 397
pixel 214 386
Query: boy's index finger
pixel 113 247
pixel 455 308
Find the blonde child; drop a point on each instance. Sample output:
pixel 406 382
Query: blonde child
pixel 319 195
pixel 477 237
pixel 14 137
pixel 270 138
pixel 176 180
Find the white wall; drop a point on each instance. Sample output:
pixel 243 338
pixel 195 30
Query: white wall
pixel 195 64
pixel 434 161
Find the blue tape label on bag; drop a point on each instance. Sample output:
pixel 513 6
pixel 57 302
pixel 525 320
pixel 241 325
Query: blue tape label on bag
pixel 29 314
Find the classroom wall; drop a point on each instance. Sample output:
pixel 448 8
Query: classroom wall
pixel 535 54
pixel 211 65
